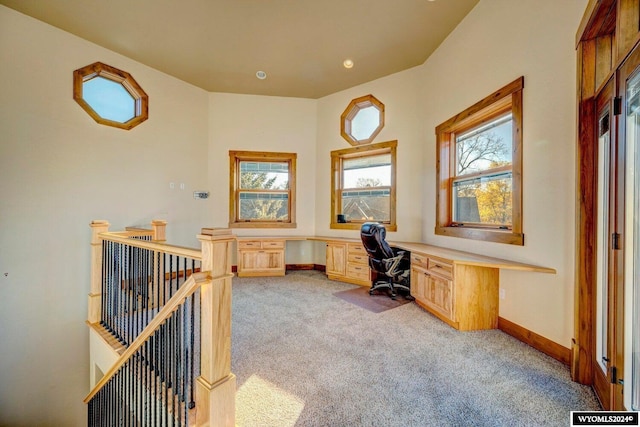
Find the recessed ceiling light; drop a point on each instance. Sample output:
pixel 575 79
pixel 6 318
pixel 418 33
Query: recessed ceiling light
pixel 261 75
pixel 347 63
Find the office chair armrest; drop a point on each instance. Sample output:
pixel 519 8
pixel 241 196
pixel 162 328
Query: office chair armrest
pixel 392 263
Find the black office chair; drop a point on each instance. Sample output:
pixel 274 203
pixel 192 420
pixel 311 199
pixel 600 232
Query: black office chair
pixel 391 267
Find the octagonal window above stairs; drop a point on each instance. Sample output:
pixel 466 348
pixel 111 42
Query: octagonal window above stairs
pixel 111 96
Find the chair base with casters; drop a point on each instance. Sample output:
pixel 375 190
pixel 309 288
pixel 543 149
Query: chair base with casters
pixel 393 284
pixel 391 267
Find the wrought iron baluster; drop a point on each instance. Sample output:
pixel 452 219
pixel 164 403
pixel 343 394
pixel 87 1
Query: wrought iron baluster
pixel 103 300
pixel 130 295
pixel 118 294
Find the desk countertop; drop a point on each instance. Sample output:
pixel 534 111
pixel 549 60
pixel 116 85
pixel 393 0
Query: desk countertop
pixel 457 257
pixel 468 258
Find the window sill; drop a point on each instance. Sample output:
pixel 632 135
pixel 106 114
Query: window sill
pixel 358 225
pixel 263 225
pixel 488 235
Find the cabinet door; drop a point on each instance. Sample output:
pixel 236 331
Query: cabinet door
pixel 439 295
pixel 263 261
pixel 419 283
pixel 336 259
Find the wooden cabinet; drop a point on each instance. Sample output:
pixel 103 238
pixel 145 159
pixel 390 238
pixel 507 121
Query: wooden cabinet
pixel 464 296
pixel 261 257
pixel 336 260
pixel 358 264
pixel 348 262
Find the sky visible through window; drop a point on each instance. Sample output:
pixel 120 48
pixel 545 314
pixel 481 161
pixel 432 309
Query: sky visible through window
pixel 367 171
pixel 365 122
pixel 378 173
pixel 109 99
pixel 485 147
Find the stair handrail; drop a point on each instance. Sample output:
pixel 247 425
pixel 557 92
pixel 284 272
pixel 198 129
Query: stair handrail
pixel 216 384
pixel 191 285
pixel 121 237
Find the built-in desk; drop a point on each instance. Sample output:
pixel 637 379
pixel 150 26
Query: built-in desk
pixel 460 288
pixel 262 256
pixel 346 260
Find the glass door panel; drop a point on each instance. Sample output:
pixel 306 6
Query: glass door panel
pixel 632 245
pixel 603 362
pixel 602 244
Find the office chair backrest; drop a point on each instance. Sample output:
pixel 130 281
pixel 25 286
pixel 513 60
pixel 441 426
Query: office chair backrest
pixel 373 239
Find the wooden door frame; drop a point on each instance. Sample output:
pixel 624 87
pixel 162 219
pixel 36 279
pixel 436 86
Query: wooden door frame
pixel 606 36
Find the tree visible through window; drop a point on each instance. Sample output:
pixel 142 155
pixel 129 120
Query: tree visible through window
pixel 479 169
pixel 262 189
pixel 482 192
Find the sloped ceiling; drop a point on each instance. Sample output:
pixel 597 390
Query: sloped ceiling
pixel 219 45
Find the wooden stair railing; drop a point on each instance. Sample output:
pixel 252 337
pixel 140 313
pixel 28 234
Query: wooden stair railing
pixel 138 277
pixel 175 302
pixel 214 388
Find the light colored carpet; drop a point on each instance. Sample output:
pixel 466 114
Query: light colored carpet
pixel 304 357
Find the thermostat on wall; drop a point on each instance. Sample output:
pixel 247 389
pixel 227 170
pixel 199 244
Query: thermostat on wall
pixel 200 194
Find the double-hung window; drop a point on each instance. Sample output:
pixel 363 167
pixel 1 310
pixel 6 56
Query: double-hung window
pixel 363 186
pixel 479 170
pixel 262 189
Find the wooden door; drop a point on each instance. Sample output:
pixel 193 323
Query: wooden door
pixel 626 304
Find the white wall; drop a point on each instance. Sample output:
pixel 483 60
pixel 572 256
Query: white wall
pixel 496 43
pixel 402 123
pixel 60 170
pixel 265 123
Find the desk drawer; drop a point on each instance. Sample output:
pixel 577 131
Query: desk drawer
pixel 356 249
pixel 440 267
pixel 249 244
pixel 358 271
pixel 358 258
pixel 420 260
pixel 260 244
pixel 272 244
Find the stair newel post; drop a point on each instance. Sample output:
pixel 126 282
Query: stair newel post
pixel 95 292
pixel 157 294
pixel 159 228
pixel 216 385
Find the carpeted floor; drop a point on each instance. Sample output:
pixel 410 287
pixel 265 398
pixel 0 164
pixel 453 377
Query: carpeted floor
pixel 378 302
pixel 306 357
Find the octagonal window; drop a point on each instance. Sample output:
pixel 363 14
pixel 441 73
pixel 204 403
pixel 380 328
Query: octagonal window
pixel 109 95
pixel 109 99
pixel 362 120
